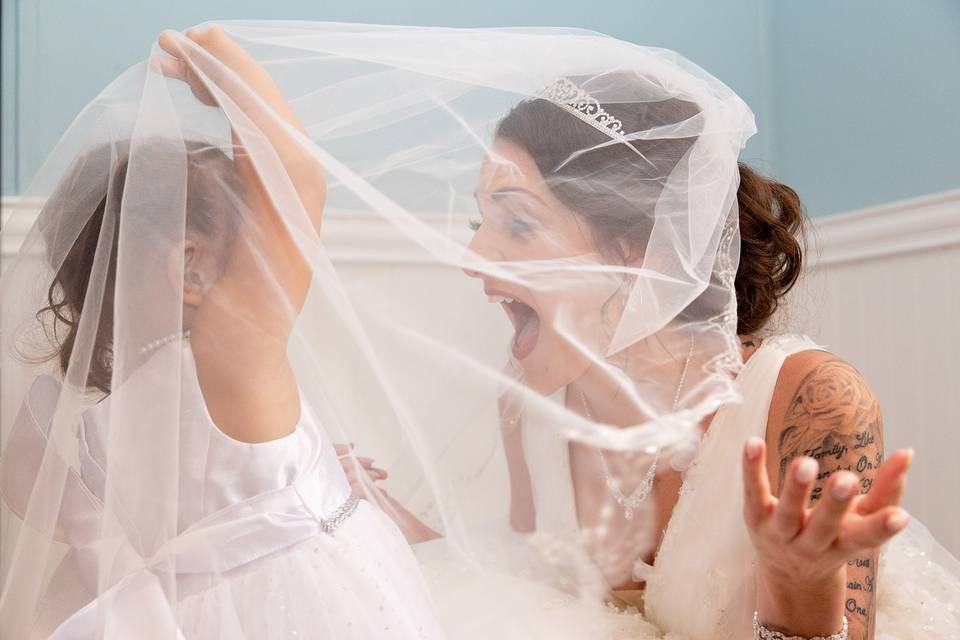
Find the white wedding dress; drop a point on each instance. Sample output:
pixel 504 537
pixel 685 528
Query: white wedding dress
pixel 701 584
pixel 271 542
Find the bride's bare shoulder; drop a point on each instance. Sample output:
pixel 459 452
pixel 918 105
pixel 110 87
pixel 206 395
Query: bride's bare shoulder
pixel 822 407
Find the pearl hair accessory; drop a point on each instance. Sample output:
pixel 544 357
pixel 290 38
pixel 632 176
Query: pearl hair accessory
pixel 150 347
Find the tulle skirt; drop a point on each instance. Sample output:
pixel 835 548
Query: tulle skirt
pixel 479 600
pixel 918 598
pixel 360 583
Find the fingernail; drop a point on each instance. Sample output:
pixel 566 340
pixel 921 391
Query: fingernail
pixel 806 470
pixel 909 456
pixel 843 488
pixel 897 520
pixel 753 448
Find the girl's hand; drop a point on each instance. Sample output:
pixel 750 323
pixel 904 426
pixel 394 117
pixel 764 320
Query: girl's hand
pixel 198 73
pixel 803 552
pixel 221 73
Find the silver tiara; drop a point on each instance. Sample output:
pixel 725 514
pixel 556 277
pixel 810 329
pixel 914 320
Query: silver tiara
pixel 567 95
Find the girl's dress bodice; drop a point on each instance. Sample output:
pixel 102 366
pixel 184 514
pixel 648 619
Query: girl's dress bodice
pixel 269 540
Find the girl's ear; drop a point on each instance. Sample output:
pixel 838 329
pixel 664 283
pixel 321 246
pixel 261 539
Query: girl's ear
pixel 186 270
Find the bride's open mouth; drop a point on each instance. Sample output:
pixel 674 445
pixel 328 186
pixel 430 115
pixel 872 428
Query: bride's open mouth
pixel 526 323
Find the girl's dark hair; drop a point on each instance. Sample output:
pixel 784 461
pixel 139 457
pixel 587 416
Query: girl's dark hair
pixel 210 180
pixel 610 185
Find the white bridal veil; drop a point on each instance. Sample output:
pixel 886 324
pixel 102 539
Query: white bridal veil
pixel 174 242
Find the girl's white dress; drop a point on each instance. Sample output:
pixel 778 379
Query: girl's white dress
pixel 271 542
pixel 701 584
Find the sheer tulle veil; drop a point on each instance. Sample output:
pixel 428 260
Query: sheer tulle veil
pixel 600 178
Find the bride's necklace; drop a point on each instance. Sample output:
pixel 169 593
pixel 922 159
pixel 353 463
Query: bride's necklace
pixel 631 502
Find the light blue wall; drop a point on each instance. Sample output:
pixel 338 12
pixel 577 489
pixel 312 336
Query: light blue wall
pixel 867 99
pixel 68 51
pixel 8 84
pixel 856 101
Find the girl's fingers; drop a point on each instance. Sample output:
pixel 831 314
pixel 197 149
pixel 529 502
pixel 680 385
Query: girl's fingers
pixel 168 44
pixel 757 501
pixel 792 507
pixel 888 485
pixel 168 67
pixel 871 531
pixel 823 525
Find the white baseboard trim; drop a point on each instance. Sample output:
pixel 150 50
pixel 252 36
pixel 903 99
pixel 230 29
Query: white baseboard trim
pixel 917 224
pixel 352 237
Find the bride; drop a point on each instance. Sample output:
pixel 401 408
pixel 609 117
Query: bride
pixel 774 521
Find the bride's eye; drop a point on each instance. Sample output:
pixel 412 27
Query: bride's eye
pixel 520 227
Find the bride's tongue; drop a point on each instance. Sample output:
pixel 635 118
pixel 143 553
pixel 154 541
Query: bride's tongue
pixel 526 328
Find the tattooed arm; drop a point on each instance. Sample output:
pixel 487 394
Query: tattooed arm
pixel 833 417
pixel 814 531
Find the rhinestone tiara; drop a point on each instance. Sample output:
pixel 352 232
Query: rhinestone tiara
pixel 567 95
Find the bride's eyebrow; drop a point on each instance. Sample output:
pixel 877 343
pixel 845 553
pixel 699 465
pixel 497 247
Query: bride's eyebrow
pixel 508 191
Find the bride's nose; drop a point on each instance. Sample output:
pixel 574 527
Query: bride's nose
pixel 481 250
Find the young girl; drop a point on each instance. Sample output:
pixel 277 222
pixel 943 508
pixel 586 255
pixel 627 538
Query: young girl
pixel 203 498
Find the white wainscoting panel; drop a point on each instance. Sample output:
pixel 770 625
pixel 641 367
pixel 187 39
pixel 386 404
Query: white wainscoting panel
pixel 882 290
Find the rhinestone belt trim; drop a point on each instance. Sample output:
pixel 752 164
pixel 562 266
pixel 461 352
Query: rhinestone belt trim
pixel 338 517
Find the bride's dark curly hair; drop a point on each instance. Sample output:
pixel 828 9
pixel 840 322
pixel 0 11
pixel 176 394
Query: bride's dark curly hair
pixel 605 184
pixel 93 190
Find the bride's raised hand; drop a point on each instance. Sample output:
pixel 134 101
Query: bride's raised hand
pixel 803 550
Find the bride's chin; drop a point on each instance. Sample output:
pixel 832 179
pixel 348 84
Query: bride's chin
pixel 546 370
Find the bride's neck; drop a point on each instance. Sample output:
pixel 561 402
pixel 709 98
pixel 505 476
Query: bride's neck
pixel 613 392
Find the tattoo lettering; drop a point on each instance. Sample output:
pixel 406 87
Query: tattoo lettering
pixel 833 418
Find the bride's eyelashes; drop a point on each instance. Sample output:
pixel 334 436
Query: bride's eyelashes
pixel 519 227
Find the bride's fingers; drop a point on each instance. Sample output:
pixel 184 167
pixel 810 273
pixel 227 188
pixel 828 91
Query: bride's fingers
pixel 823 526
pixel 757 501
pixel 888 485
pixel 797 484
pixel 871 531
